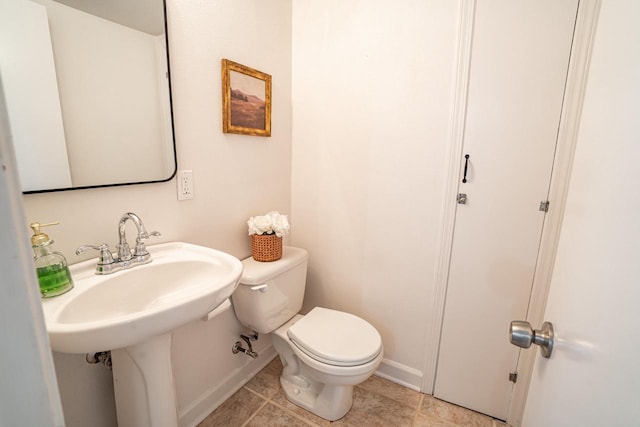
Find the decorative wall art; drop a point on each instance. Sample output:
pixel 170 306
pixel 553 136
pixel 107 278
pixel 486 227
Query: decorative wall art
pixel 246 100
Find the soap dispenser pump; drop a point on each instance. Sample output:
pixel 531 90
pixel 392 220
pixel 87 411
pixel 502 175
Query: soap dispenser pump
pixel 51 266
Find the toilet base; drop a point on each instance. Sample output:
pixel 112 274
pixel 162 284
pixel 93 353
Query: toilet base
pixel 330 402
pixel 324 390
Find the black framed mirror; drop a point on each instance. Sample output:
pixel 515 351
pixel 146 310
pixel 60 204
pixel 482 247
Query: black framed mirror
pixel 88 92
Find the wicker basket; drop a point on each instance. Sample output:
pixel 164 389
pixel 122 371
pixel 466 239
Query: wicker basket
pixel 266 247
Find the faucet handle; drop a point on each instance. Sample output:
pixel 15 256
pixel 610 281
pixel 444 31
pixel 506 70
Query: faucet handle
pixel 140 251
pixel 144 236
pixel 140 247
pixel 105 256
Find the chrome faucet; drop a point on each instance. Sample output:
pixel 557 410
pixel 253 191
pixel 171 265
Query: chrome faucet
pixel 124 258
pixel 140 255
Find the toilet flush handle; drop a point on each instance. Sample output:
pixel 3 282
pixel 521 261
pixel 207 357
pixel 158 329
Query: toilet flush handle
pixel 261 288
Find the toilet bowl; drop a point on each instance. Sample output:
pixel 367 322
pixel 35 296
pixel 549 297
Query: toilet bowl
pixel 324 353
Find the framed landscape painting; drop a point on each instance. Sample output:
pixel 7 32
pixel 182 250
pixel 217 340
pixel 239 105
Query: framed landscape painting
pixel 246 100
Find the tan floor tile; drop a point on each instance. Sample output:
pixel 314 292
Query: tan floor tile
pixel 267 381
pixel 477 419
pixel 424 420
pixel 373 410
pixel 393 391
pixel 453 413
pixel 274 367
pixel 376 403
pixel 273 416
pixel 235 410
pixel 281 399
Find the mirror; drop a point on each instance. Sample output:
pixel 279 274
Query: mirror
pixel 88 92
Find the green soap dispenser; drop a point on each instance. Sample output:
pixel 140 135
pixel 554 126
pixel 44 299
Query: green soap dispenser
pixel 51 267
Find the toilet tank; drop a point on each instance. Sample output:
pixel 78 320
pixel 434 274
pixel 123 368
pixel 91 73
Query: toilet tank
pixel 271 293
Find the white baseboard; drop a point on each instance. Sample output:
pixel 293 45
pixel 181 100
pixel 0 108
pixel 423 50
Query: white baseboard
pixel 218 393
pixel 400 374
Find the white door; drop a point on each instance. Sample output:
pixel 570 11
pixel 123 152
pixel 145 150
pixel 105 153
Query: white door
pixel 593 375
pixel 28 386
pixel 519 64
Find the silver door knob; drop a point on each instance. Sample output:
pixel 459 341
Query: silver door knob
pixel 523 335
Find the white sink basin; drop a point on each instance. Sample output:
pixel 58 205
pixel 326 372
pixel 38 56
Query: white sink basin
pixel 184 282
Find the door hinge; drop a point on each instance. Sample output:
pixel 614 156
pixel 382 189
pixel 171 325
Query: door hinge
pixel 544 206
pixel 513 377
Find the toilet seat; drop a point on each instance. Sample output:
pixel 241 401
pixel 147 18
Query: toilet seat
pixel 335 338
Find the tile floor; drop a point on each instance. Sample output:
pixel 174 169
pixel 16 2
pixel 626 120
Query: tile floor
pixel 376 402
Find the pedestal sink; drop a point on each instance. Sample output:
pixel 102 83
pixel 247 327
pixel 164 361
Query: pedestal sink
pixel 133 313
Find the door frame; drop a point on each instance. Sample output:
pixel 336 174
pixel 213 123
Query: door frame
pixel 577 75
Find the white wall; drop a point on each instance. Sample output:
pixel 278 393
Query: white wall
pixel 372 94
pixel 235 177
pixel 592 378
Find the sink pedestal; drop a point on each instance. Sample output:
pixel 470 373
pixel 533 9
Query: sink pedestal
pixel 143 384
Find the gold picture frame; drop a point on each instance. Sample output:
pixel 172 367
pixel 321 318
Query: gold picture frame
pixel 246 100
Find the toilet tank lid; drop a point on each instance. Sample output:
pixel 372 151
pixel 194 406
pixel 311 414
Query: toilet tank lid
pixel 257 272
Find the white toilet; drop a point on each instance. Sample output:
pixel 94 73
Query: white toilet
pixel 324 353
